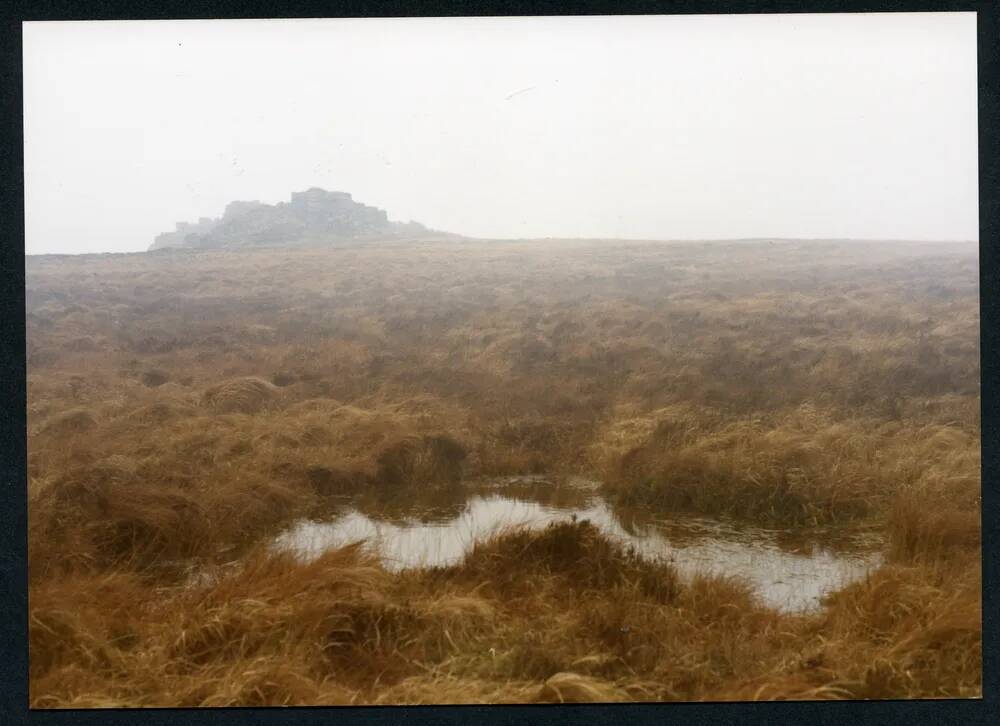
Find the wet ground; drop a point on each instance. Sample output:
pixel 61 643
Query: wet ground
pixel 790 570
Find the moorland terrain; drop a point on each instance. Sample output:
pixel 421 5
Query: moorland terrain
pixel 185 406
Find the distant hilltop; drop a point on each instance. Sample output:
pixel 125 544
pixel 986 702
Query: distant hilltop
pixel 312 216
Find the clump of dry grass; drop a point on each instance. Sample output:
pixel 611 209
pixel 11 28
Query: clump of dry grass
pixel 910 630
pixel 931 527
pixel 802 467
pixel 574 551
pixel 939 515
pixel 69 423
pixel 576 688
pixel 82 622
pixel 100 517
pixel 242 395
pixel 531 445
pixel 154 377
pixel 427 460
pixel 158 414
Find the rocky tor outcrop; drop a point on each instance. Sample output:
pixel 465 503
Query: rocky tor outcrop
pixel 314 215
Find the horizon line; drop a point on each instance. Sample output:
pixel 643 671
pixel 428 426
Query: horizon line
pixel 466 238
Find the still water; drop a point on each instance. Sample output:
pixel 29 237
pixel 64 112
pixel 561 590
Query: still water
pixel 790 571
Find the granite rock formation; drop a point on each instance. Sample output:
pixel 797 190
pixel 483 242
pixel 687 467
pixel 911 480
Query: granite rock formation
pixel 314 215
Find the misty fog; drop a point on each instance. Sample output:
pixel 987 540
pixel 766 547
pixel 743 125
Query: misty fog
pixel 698 127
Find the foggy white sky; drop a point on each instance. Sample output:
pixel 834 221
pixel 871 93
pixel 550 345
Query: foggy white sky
pixel 635 127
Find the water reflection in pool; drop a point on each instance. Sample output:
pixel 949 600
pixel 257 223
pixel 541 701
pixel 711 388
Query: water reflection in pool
pixel 789 571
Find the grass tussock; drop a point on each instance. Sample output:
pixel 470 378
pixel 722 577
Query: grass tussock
pixel 243 395
pixel 800 467
pixel 428 460
pixel 69 423
pixel 574 552
pixel 184 408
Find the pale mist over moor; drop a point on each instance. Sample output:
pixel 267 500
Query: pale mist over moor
pixel 502 360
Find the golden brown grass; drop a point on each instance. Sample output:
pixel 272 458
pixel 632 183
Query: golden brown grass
pixel 243 395
pixel 519 616
pixel 800 466
pixel 184 407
